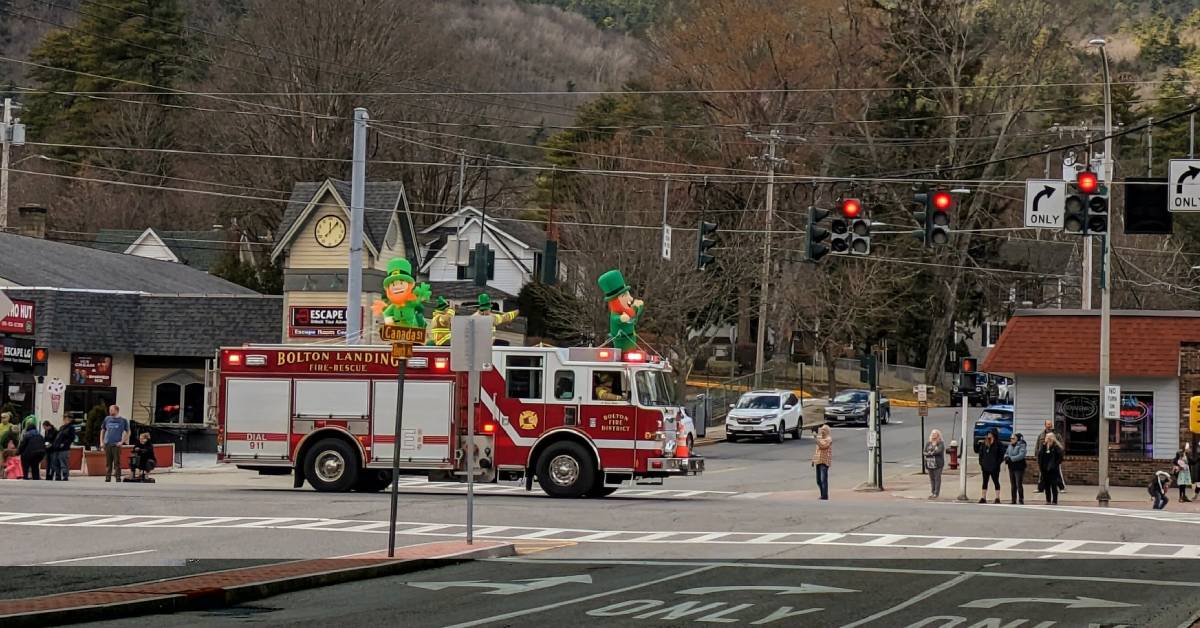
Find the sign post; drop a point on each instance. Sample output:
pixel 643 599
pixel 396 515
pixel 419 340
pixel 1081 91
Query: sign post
pixel 402 339
pixel 922 393
pixel 471 351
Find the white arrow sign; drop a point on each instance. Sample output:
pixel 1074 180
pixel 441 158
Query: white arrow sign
pixel 1183 185
pixel 1078 602
pixel 1044 203
pixel 780 590
pixel 505 588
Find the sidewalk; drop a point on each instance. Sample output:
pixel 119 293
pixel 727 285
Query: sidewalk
pixel 236 586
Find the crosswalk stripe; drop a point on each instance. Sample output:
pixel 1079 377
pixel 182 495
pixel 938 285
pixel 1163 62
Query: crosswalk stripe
pixel 158 521
pixel 1128 549
pixel 886 539
pixel 523 533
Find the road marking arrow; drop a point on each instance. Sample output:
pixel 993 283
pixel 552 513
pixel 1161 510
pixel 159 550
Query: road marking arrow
pixel 505 588
pixel 1046 192
pixel 1190 173
pixel 780 590
pixel 1078 602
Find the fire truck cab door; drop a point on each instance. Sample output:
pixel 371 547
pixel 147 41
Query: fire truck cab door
pixel 567 388
pixel 608 415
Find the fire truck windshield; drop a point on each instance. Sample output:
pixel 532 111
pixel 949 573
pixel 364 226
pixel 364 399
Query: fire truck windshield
pixel 655 388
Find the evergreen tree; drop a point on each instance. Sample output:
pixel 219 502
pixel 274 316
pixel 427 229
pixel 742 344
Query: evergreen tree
pixel 118 45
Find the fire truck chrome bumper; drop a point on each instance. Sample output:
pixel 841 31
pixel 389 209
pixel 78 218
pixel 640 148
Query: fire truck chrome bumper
pixel 676 466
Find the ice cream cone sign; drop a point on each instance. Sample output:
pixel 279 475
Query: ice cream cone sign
pixel 623 310
pixel 404 306
pixel 55 387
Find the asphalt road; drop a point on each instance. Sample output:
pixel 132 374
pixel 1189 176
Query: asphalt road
pixel 756 502
pixel 912 593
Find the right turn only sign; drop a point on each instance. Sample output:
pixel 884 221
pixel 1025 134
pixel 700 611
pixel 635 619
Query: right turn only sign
pixel 1044 203
pixel 1183 182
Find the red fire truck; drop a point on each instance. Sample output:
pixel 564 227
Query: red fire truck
pixel 578 420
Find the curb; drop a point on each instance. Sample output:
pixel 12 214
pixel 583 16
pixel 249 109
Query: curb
pixel 215 597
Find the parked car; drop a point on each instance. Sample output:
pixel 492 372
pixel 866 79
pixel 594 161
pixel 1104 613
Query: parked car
pixel 982 389
pixel 688 426
pixel 997 416
pixel 769 413
pixel 851 406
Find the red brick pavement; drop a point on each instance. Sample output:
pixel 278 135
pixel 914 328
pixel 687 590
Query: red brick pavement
pixel 215 585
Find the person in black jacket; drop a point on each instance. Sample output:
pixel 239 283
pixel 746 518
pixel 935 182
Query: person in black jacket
pixel 58 451
pixel 32 449
pixel 991 456
pixel 1049 461
pixel 142 462
pixel 48 434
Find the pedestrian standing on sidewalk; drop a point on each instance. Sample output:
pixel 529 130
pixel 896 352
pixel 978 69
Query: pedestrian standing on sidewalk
pixel 822 458
pixel 1014 456
pixel 1158 489
pixel 49 433
pixel 32 449
pixel 1183 477
pixel 1193 457
pixel 1050 457
pixel 1037 452
pixel 935 461
pixel 114 432
pixel 59 452
pixel 991 455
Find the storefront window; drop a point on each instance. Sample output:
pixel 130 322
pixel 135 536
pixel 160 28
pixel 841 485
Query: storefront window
pixel 178 401
pixel 1077 418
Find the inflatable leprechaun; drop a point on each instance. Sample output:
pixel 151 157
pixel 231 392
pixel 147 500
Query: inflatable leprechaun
pixel 443 313
pixel 405 299
pixel 623 310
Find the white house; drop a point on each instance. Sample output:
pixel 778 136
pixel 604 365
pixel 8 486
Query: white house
pixel 516 248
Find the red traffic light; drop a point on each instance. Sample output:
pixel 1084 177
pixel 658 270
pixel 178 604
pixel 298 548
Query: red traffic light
pixel 1087 182
pixel 851 208
pixel 39 355
pixel 942 200
pixel 966 365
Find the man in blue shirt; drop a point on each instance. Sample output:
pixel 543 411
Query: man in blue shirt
pixel 114 432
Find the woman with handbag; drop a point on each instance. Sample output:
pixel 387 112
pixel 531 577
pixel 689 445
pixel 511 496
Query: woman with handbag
pixel 935 461
pixel 1183 469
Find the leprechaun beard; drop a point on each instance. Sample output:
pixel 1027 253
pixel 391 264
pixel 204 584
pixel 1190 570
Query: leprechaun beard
pixel 616 307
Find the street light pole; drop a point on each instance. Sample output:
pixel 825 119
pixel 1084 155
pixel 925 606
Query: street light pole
pixel 1102 497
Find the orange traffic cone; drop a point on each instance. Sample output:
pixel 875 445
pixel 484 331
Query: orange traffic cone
pixel 681 449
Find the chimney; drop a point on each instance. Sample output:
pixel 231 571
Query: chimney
pixel 31 221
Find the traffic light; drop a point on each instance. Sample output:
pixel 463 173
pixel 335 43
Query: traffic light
pixel 1084 195
pixel 860 227
pixel 482 259
pixel 967 366
pixel 705 241
pixel 843 226
pixel 41 359
pixel 814 234
pixel 934 217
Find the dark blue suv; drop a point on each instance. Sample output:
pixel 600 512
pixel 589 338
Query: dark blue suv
pixel 999 417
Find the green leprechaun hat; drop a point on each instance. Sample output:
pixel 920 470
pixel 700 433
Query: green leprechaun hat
pixel 442 305
pixel 399 269
pixel 613 284
pixel 485 302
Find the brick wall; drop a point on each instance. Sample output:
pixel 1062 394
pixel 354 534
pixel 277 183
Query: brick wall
pixel 1122 470
pixel 1189 384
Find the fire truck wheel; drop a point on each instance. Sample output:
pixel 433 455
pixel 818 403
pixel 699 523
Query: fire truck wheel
pixel 331 466
pixel 565 469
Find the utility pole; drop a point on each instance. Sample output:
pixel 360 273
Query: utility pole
pixel 358 185
pixel 1102 496
pixel 11 134
pixel 772 139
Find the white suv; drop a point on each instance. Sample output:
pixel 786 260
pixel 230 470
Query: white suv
pixel 770 413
